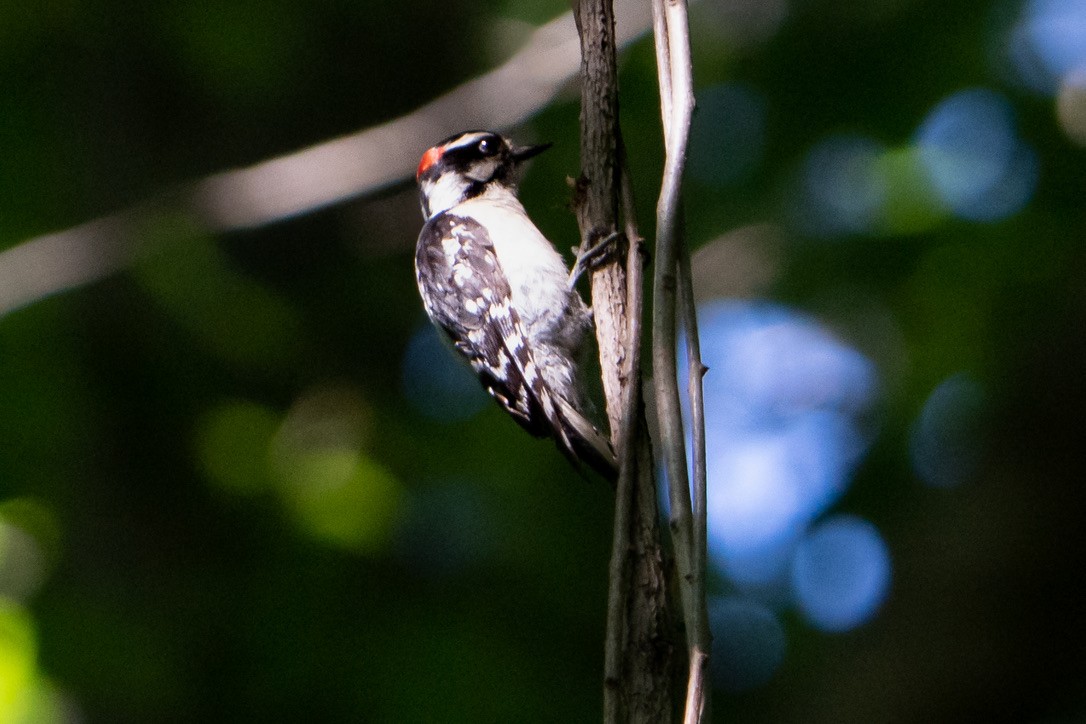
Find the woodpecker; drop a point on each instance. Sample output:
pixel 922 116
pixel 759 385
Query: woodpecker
pixel 502 294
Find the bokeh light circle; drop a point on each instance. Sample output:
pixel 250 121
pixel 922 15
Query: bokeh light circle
pixel 1056 33
pixel 973 157
pixel 841 573
pixel 785 426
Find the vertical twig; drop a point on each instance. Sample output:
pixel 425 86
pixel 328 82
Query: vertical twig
pixel 695 371
pixel 695 391
pixel 671 31
pixel 665 375
pixel 596 202
pixel 627 451
pixel 650 630
pixel 697 692
pixel 637 667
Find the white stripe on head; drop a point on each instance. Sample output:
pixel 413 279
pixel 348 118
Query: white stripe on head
pixel 466 139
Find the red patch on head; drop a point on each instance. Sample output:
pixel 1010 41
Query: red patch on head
pixel 432 156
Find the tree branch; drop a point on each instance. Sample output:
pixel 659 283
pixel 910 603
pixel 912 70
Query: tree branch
pixel 697 691
pixel 637 666
pixel 695 391
pixel 671 33
pixel 665 374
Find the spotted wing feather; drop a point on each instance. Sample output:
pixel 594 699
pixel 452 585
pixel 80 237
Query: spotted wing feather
pixel 468 297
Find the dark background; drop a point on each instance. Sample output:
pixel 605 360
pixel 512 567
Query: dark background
pixel 238 480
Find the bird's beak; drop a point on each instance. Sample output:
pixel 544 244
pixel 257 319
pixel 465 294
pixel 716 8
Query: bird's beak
pixel 522 154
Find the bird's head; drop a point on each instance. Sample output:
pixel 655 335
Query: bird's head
pixel 466 165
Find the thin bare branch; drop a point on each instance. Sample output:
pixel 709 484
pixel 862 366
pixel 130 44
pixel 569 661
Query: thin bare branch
pixel 53 263
pixel 383 155
pixel 695 391
pixel 635 260
pixel 696 688
pixel 665 377
pixel 637 686
pixel 671 32
pixel 663 64
pixel 315 177
pixel 627 440
pixel 682 95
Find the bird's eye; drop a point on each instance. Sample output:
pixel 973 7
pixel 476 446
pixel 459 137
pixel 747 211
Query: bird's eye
pixel 486 147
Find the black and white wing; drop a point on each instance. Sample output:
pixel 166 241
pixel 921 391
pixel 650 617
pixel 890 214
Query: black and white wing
pixel 467 294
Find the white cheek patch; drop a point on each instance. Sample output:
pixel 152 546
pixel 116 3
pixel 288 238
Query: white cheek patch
pixel 443 193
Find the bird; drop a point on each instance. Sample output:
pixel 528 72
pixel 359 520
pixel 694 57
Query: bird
pixel 502 294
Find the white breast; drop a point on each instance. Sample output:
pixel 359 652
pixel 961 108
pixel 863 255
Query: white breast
pixel 536 272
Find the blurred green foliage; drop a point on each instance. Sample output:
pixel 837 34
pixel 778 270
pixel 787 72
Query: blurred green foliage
pixel 217 504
